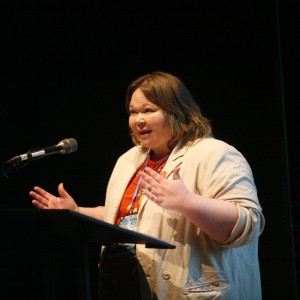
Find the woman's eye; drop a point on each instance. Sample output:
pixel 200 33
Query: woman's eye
pixel 148 110
pixel 144 111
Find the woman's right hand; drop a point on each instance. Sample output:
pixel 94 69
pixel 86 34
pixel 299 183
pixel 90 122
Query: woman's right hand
pixel 44 200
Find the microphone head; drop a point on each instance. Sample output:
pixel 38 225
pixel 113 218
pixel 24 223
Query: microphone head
pixel 68 146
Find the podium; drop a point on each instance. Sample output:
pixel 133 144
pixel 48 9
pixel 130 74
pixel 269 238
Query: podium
pixel 44 253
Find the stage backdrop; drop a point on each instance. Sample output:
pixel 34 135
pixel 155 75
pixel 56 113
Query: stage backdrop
pixel 66 66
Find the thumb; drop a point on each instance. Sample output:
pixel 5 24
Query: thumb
pixel 62 192
pixel 176 173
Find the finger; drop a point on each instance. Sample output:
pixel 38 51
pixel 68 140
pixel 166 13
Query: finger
pixel 38 198
pixel 153 174
pixel 155 199
pixel 38 204
pixel 42 192
pixel 146 178
pixel 62 192
pixel 147 193
pixel 148 183
pixel 150 195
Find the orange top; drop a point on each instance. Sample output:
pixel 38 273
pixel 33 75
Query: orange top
pixel 126 202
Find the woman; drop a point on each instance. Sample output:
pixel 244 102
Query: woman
pixel 181 185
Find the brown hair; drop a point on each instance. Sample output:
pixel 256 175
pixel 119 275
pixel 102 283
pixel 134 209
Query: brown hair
pixel 171 95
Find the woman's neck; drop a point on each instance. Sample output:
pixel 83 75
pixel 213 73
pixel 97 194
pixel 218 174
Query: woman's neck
pixel 156 156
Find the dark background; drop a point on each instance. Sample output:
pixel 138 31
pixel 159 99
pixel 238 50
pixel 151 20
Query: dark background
pixel 65 68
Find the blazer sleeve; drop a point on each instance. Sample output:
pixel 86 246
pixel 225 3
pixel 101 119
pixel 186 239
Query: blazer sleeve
pixel 229 177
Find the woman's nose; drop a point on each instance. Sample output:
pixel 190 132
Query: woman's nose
pixel 140 118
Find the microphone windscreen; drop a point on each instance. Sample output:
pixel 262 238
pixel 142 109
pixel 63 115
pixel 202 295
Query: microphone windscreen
pixel 68 146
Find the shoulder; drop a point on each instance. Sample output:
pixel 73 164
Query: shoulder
pixel 132 152
pixel 133 156
pixel 128 163
pixel 204 149
pixel 211 146
pixel 212 151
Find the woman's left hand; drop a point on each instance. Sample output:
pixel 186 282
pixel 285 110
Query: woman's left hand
pixel 215 217
pixel 168 194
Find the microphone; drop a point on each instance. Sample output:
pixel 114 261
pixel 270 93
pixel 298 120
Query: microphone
pixel 65 146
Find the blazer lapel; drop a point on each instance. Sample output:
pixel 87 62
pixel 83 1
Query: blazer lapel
pixel 174 161
pixel 129 167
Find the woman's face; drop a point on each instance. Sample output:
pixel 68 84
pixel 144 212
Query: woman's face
pixel 149 124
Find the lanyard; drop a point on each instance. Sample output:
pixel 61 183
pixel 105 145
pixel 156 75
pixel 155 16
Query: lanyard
pixel 139 182
pixel 138 186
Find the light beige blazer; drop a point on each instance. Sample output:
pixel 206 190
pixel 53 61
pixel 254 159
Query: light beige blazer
pixel 199 267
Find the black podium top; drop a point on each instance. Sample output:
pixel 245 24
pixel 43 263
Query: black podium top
pixel 42 223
